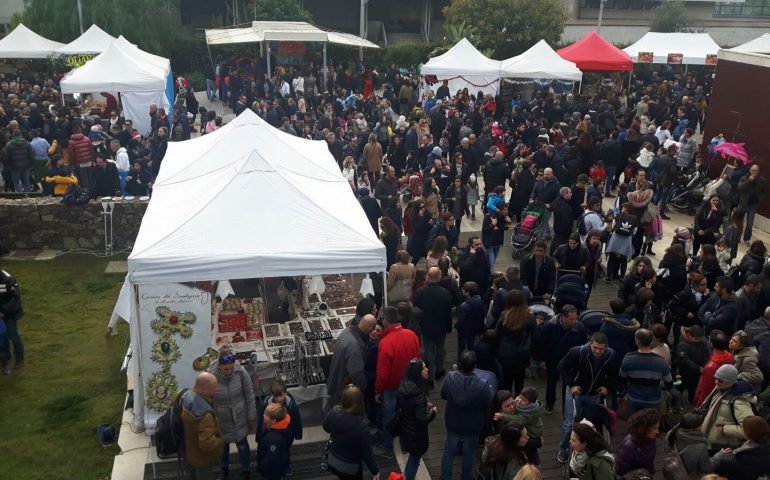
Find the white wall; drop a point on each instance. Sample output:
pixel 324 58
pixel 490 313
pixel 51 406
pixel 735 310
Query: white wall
pixel 8 8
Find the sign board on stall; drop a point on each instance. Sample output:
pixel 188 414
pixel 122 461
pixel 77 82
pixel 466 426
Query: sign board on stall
pixel 176 335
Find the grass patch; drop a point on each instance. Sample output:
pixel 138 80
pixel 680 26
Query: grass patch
pixel 70 382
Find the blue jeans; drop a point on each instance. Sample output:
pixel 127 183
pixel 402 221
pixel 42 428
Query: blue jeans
pixel 469 454
pixel 243 455
pixel 211 89
pixel 662 195
pixel 610 182
pixel 571 410
pixel 388 407
pixel 21 183
pixel 492 252
pixel 412 465
pixel 11 336
pixel 751 212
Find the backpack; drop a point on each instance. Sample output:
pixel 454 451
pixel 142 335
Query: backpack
pixel 581 223
pixel 75 195
pixel 169 431
pixel 673 466
pixel 738 276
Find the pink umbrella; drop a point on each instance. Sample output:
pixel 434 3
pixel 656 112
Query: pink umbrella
pixel 735 150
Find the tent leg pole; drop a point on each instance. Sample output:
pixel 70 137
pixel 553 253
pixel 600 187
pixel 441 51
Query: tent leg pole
pixel 269 70
pixel 326 71
pixel 384 289
pixel 685 69
pixel 630 74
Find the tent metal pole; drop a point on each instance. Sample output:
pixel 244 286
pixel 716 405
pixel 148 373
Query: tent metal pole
pixel 630 74
pixel 269 70
pixel 685 69
pixel 384 289
pixel 325 71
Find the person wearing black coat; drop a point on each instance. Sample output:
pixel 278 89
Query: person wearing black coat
pixel 351 444
pixel 422 223
pixel 675 261
pixel 683 307
pixel 273 444
pixel 521 184
pixel 556 337
pixel 105 181
pixel 516 333
pixel 627 288
pixel 470 317
pixel 138 181
pixel 435 302
pixel 562 218
pixel 754 259
pixel 708 221
pixel 496 173
pixel 572 256
pixel 474 264
pixel 538 271
pixel 416 414
pixel 371 208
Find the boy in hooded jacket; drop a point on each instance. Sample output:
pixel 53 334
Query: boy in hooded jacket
pixel 272 444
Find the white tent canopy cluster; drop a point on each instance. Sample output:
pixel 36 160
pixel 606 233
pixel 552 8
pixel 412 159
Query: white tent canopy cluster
pixel 140 77
pixel 463 66
pixel 282 31
pixel 24 43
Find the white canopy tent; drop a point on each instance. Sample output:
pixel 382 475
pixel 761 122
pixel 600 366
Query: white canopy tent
pixel 140 77
pixel 758 45
pixel 246 201
pixel 465 67
pixel 694 47
pixel 284 31
pixel 540 62
pixel 24 43
pixel 94 40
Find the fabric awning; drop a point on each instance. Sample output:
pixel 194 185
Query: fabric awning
pixel 593 53
pixel 693 47
pixel 24 43
pixel 282 31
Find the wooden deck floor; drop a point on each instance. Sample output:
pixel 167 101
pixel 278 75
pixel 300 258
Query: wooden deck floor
pixel 551 469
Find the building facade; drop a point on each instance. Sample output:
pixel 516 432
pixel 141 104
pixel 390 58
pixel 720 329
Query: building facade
pixel 398 21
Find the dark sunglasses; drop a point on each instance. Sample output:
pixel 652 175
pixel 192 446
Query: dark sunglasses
pixel 228 359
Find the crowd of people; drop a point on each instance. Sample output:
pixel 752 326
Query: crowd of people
pixel 421 159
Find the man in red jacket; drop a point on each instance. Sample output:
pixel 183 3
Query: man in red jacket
pixel 82 156
pixel 720 355
pixel 398 346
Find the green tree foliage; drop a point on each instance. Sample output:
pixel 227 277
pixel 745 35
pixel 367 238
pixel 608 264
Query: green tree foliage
pixel 672 17
pixel 153 25
pixel 508 26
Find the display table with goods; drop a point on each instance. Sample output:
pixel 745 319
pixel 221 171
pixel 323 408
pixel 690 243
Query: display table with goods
pixel 296 352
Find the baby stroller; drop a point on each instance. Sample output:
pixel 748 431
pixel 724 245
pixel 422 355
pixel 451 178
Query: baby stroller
pixel 592 319
pixel 570 289
pixel 528 230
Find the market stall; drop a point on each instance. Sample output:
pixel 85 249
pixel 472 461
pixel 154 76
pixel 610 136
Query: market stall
pixel 540 64
pixel 674 48
pixel 263 221
pixel 141 78
pixel 464 67
pixel 24 43
pixel 593 53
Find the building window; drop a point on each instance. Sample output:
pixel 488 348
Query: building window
pixel 750 8
pixel 619 4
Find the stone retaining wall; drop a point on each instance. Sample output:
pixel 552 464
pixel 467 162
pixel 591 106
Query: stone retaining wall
pixel 44 222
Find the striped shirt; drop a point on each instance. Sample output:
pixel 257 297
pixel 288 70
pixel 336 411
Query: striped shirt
pixel 642 374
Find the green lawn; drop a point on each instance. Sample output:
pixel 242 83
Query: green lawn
pixel 70 383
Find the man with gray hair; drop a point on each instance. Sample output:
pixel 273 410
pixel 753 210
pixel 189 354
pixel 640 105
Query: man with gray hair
pixel 202 437
pixel 348 359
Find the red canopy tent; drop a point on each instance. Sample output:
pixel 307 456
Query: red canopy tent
pixel 593 53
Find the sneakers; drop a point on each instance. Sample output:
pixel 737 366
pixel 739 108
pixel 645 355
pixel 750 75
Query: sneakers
pixel 7 370
pixel 562 456
pixel 548 410
pixel 381 452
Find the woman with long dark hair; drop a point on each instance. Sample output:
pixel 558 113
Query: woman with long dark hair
pixel 706 264
pixel 503 455
pixel 348 430
pixel 390 235
pixel 708 221
pixel 683 307
pixel 515 331
pixel 590 458
pixel 416 413
pixel 422 222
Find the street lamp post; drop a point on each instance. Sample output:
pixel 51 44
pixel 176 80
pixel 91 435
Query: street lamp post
pixel 601 14
pixel 80 16
pixel 362 27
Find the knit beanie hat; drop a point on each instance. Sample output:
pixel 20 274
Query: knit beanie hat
pixel 727 374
